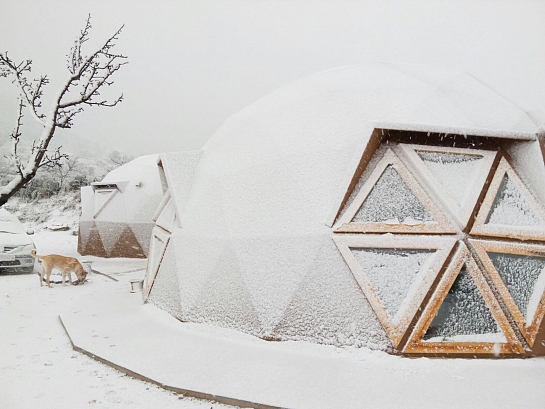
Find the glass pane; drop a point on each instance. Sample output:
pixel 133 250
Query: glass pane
pixel 393 274
pixel 464 316
pixel 392 201
pixel 520 275
pixel 157 249
pixel 511 208
pixel 166 218
pixel 455 171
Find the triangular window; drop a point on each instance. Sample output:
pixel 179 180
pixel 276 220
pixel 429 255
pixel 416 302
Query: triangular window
pixel 520 275
pixel 453 171
pixel 518 272
pixel 167 217
pixel 455 175
pixel 512 208
pixel 379 208
pixel 395 273
pixel 391 200
pixel 463 316
pixel 403 199
pixel 509 209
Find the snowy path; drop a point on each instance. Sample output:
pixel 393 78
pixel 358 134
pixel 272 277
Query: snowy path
pixel 39 368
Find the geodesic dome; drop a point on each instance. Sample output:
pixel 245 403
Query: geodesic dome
pixel 362 206
pixel 116 213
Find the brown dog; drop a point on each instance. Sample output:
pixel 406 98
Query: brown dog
pixel 64 264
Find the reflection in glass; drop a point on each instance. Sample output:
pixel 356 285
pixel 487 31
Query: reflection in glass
pixel 392 201
pixel 520 275
pixel 464 315
pixel 393 274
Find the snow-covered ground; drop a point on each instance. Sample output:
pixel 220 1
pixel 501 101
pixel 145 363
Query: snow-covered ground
pixel 39 368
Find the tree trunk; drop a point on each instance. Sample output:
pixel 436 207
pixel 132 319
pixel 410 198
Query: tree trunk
pixel 13 187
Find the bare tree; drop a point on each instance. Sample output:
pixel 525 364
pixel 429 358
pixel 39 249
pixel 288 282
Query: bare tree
pixel 4 168
pixel 117 159
pixel 64 169
pixel 88 74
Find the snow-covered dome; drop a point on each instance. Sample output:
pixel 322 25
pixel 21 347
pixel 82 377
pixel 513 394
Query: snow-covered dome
pixel 116 215
pixel 249 239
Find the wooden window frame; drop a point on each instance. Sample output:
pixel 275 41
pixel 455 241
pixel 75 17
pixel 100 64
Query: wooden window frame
pixel 346 225
pixel 416 344
pixel 482 247
pixel 112 191
pixel 481 228
pixel 462 213
pixel 151 270
pixel 443 247
pixel 164 200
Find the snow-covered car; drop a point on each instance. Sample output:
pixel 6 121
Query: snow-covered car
pixel 15 245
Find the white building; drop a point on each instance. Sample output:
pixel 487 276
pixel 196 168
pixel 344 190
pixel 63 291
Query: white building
pixel 116 213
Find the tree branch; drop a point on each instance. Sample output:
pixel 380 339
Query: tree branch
pixel 31 93
pixel 15 138
pixel 87 76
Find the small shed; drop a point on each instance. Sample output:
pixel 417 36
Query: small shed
pixel 116 213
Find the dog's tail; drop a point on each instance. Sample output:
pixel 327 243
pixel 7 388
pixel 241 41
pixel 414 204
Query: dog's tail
pixel 33 254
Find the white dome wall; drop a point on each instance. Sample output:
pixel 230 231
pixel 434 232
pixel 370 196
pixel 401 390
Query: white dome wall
pixel 271 175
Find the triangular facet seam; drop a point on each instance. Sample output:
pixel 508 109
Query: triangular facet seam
pixel 110 233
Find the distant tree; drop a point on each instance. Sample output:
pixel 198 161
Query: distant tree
pixel 79 181
pixel 63 169
pixel 5 168
pixel 118 159
pixel 88 74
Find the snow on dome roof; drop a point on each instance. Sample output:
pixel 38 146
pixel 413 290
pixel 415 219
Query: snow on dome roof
pixel 361 95
pixel 139 183
pixel 134 170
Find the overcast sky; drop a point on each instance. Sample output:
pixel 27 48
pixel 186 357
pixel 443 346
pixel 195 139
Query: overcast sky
pixel 195 63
